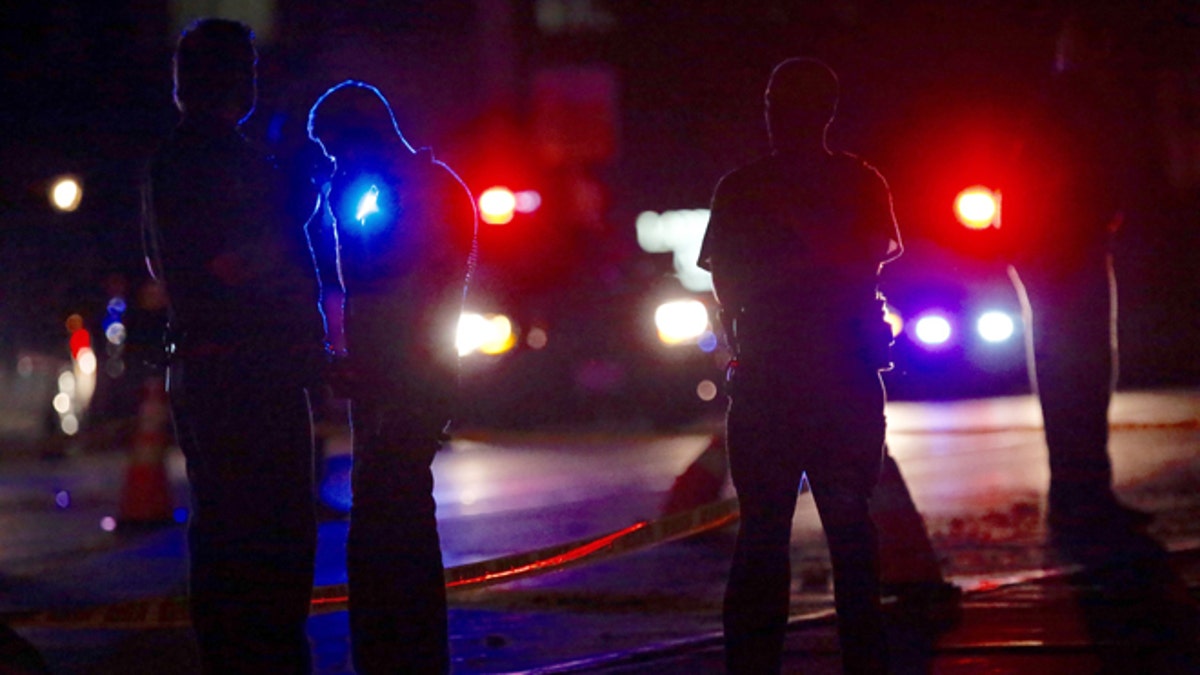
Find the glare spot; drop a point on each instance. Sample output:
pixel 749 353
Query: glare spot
pixel 537 338
pixel 115 333
pixel 66 382
pixel 62 499
pixel 707 342
pixel 706 390
pixel 25 366
pixel 62 403
pixel 87 361
pixel 368 204
pixel 995 326
pixel 933 330
pixel 108 524
pixel 976 207
pixel 528 201
pixel 69 424
pixel 680 233
pixel 487 334
pixel 180 515
pixel 681 321
pixel 496 205
pixel 66 193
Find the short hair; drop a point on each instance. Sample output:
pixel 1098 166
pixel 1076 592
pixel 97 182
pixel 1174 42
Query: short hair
pixel 214 65
pixel 352 105
pixel 803 86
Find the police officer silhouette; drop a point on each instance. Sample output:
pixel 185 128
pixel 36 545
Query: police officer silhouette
pixel 246 339
pixel 405 230
pixel 795 242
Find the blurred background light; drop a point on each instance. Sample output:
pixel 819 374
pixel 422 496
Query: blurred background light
pixel 933 330
pixel 69 424
pixel 497 205
pixel 527 201
pixel 537 338
pixel 66 193
pixel 368 204
pixel 484 333
pixel 680 321
pixel 977 207
pixel 680 233
pixel 995 326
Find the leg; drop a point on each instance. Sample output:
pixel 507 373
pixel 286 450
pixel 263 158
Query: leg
pixel 906 555
pixel 397 588
pixel 252 534
pixel 757 597
pixel 1073 347
pixel 844 469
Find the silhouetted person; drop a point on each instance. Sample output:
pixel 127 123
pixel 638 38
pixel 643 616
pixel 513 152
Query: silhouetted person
pixel 404 256
pixel 795 242
pixel 1058 225
pixel 246 339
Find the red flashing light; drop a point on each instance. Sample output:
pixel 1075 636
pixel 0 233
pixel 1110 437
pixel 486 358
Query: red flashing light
pixel 497 205
pixel 80 339
pixel 977 208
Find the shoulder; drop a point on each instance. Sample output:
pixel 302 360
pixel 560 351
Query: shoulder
pixel 862 171
pixel 745 178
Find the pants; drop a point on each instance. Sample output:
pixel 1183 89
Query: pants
pixel 1072 355
pixel 779 426
pixel 252 533
pixel 398 617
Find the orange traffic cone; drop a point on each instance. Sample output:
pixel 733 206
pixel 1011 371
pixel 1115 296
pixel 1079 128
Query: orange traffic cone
pixel 146 499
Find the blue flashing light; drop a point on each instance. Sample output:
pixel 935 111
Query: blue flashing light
pixel 365 206
pixel 933 330
pixel 180 515
pixel 368 205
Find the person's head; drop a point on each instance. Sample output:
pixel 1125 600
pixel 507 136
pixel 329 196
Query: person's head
pixel 801 100
pixel 352 122
pixel 215 64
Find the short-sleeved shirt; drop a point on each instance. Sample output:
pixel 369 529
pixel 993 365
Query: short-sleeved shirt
pixel 795 246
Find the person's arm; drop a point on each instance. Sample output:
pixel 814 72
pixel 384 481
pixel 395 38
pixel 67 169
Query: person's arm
pixel 713 258
pixel 151 247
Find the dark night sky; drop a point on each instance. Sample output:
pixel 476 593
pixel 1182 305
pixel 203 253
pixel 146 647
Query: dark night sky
pixel 86 89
